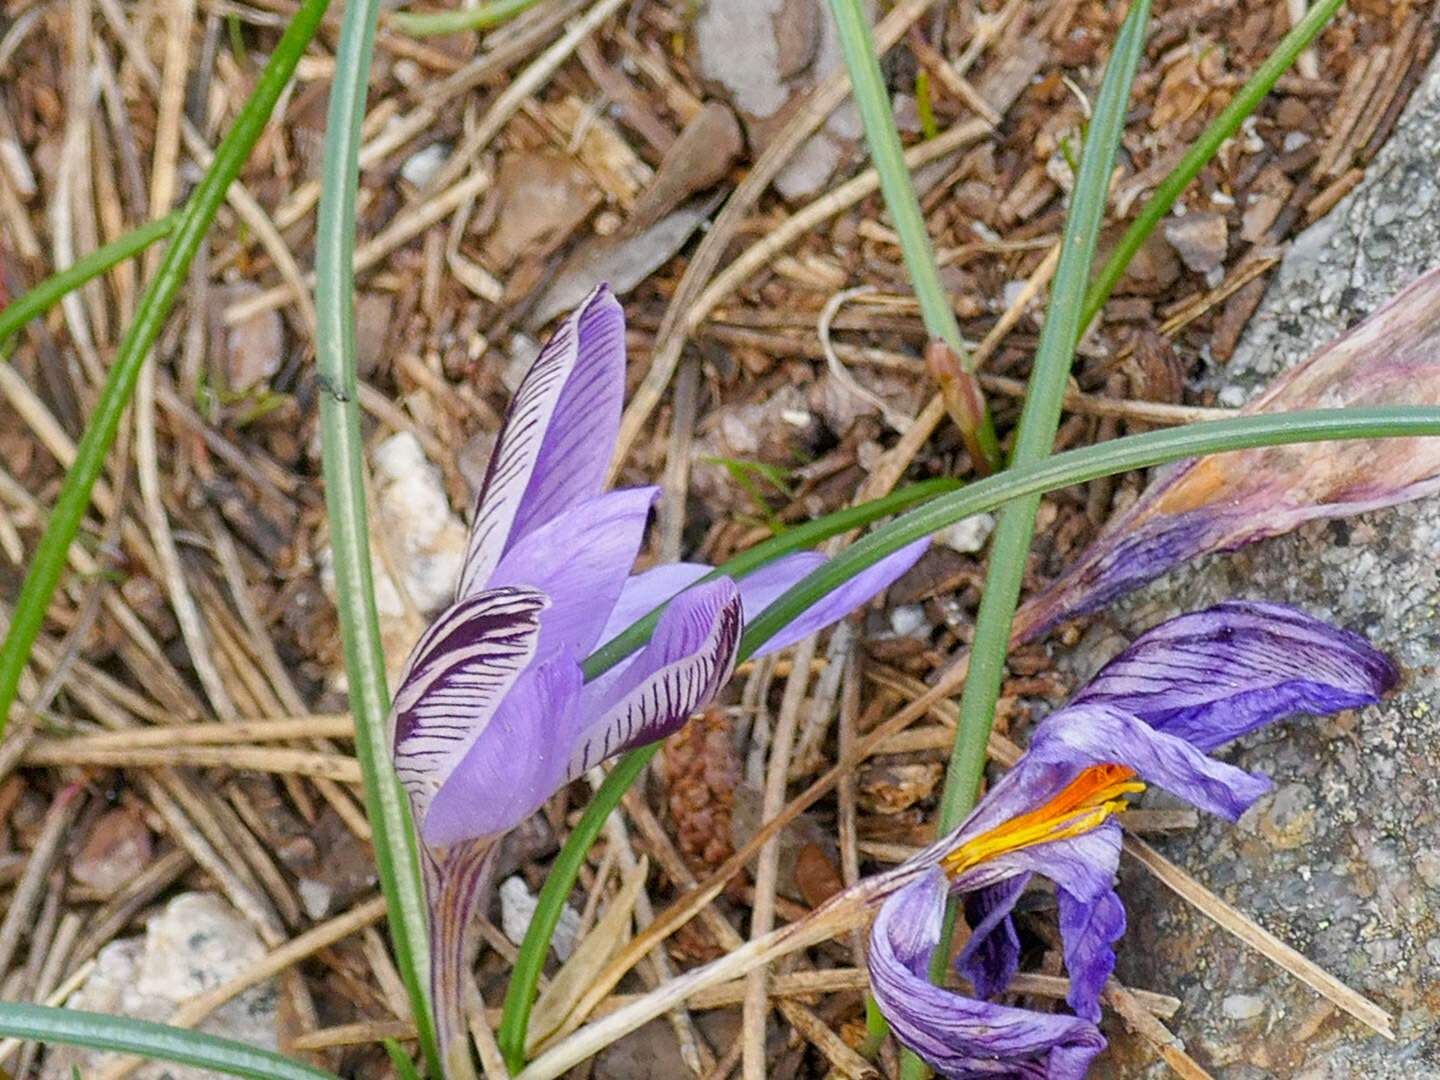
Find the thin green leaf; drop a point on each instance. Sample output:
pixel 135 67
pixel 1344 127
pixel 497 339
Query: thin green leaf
pixel 56 286
pixel 157 1041
pixel 1202 150
pixel 895 184
pixel 190 229
pixel 397 859
pixel 1010 545
pixel 479 17
pixel 1080 466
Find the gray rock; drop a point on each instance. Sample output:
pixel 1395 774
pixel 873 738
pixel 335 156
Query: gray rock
pixel 1340 859
pixel 195 944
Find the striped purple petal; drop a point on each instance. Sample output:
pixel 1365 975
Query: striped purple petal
pixel 1211 676
pixel 581 560
pixel 961 1036
pixel 516 763
pixel 687 660
pixel 457 677
pixel 559 434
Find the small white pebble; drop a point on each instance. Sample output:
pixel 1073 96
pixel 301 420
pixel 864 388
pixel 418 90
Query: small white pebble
pixel 422 165
pixel 517 908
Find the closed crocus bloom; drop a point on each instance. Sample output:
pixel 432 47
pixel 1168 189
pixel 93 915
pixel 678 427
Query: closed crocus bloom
pixel 1149 717
pixel 493 714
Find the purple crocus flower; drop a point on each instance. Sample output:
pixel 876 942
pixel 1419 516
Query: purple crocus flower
pixel 1150 716
pixel 493 714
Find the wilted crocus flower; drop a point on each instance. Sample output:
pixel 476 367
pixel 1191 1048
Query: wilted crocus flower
pixel 1150 716
pixel 492 714
pixel 1221 502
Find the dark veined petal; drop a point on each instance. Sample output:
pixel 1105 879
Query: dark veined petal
pixel 558 435
pixel 688 658
pixel 960 1036
pixel 456 677
pixel 1211 676
pixel 838 603
pixel 580 559
pixel 517 762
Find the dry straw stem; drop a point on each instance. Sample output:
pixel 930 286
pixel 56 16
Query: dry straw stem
pixel 267 759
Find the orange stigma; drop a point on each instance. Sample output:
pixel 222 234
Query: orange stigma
pixel 1083 804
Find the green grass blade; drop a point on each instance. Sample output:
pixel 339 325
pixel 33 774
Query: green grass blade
pixel 479 17
pixel 1204 148
pixel 397 859
pixel 900 199
pixel 156 1041
pixel 1080 466
pixel 194 222
pixel 42 296
pixel 1010 545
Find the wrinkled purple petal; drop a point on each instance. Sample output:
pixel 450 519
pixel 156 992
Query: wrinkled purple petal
pixel 558 435
pixel 457 677
pixel 1211 676
pixel 1089 930
pixel 1083 735
pixel 840 602
pixel 517 762
pixel 992 955
pixel 581 560
pixel 687 660
pixel 960 1036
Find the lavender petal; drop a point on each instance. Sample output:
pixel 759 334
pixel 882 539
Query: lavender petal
pixel 558 437
pixel 456 679
pixel 1082 735
pixel 956 1035
pixel 581 559
pixel 1211 676
pixel 517 762
pixel 841 601
pixel 688 658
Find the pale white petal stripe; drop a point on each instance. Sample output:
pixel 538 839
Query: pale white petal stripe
pixel 513 461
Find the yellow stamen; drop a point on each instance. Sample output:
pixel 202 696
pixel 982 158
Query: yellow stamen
pixel 1083 804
